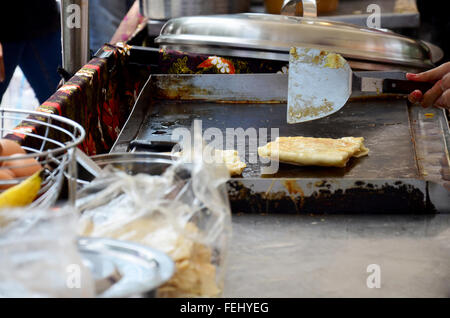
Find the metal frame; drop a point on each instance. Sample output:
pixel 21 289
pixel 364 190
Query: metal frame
pixel 420 180
pixel 56 156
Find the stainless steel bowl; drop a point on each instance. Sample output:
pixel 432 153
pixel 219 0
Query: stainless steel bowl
pixel 130 162
pixel 142 269
pixel 125 269
pixel 167 9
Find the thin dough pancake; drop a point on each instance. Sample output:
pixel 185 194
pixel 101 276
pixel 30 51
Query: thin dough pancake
pixel 231 159
pixel 308 151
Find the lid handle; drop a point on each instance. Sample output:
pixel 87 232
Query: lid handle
pixel 309 8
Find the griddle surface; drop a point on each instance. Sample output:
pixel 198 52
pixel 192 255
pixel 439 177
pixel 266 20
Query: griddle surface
pixel 384 124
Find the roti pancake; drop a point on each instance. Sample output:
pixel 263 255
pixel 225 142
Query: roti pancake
pixel 308 151
pixel 231 159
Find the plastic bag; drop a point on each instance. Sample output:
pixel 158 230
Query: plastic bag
pixel 184 212
pixel 39 255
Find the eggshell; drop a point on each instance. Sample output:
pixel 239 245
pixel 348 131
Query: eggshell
pixel 6 174
pixel 9 147
pixel 22 167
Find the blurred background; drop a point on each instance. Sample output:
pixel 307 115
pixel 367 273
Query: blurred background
pixel 414 18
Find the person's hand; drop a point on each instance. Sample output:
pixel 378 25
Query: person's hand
pixel 439 94
pixel 2 65
pixel 129 25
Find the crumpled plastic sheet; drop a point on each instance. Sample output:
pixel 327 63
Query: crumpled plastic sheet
pixel 39 255
pixel 184 212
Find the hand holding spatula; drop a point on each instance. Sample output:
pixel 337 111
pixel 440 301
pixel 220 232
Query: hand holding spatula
pixel 320 83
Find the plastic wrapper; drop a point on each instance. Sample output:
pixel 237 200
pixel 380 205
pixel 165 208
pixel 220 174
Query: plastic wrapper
pixel 39 255
pixel 184 212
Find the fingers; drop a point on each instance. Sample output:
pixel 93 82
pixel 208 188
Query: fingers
pixel 415 97
pixel 431 96
pixel 444 100
pixel 411 76
pixel 2 65
pixel 445 84
pixel 439 94
pixel 431 75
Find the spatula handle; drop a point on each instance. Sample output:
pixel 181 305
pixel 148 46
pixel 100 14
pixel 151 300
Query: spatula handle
pixel 394 86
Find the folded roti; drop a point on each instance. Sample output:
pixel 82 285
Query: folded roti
pixel 228 157
pixel 231 159
pixel 308 151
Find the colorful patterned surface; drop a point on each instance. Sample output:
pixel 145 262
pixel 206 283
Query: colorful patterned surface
pixel 176 62
pixel 132 23
pixel 99 97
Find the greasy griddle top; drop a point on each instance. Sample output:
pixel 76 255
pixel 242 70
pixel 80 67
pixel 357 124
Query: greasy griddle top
pixel 383 123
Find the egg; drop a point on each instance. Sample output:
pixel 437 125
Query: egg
pixel 22 167
pixel 6 174
pixel 9 147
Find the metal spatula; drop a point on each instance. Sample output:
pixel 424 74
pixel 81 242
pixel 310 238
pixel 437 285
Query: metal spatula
pixel 320 83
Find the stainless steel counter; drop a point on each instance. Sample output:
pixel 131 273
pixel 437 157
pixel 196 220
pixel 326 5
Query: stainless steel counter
pixel 394 13
pixel 327 256
pixel 350 11
pixel 408 149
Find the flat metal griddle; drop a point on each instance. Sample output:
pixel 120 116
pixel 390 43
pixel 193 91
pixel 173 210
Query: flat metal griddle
pixel 405 171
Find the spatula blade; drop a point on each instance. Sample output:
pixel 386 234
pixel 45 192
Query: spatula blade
pixel 319 84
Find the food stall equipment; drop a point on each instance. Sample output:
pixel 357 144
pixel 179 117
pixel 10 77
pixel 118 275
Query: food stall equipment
pixel 75 34
pixel 124 269
pixel 394 14
pixel 270 37
pixel 411 181
pixel 404 172
pixel 317 88
pixel 315 252
pixel 335 256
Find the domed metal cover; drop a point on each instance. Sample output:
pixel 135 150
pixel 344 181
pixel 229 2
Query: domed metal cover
pixel 271 36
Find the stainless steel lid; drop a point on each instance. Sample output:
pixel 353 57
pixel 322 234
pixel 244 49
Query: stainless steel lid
pixel 151 163
pixel 270 37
